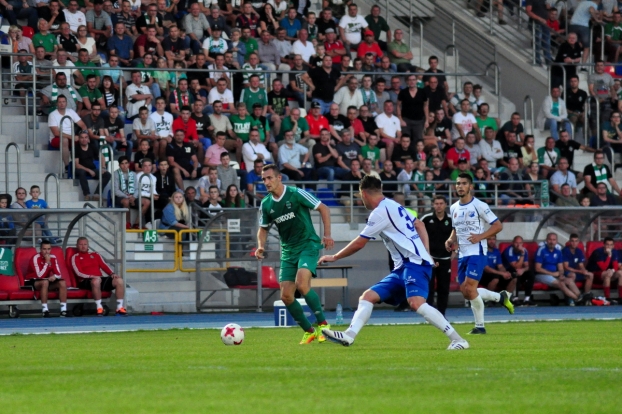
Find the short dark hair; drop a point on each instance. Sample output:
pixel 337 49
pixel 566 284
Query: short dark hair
pixel 608 239
pixel 123 158
pixel 371 184
pixel 224 154
pixel 440 197
pixel 573 236
pixel 45 241
pixel 213 186
pixel 466 177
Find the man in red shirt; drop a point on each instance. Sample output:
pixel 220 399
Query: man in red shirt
pixel 44 275
pixel 455 154
pixel 316 121
pixel 369 45
pixel 334 48
pixel 189 126
pixel 88 267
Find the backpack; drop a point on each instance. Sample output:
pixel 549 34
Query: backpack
pixel 238 276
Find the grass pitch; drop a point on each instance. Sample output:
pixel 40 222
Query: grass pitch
pixel 553 367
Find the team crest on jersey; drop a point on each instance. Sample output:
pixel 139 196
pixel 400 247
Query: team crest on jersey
pixel 447 222
pixel 288 205
pixel 471 214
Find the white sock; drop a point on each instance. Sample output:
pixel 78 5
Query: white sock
pixel 119 303
pixel 63 306
pixel 44 306
pixel 477 306
pixel 436 319
pixel 361 316
pixel 527 298
pixel 488 295
pixel 98 303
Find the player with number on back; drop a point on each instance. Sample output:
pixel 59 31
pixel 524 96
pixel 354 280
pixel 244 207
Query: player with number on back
pixel 288 207
pixel 407 241
pixel 468 215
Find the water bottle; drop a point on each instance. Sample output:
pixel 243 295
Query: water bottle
pixel 339 315
pixel 545 194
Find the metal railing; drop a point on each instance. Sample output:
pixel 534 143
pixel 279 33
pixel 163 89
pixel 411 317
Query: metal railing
pixel 107 165
pixel 154 255
pixel 456 63
pixel 529 115
pixel 6 165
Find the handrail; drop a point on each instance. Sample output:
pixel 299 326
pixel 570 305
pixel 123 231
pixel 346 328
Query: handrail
pixel 6 166
pixel 106 167
pixel 140 204
pixel 34 117
pixel 497 84
pixel 586 122
pixel 456 57
pixel 597 123
pixel 73 134
pixel 420 38
pixel 532 120
pixel 45 188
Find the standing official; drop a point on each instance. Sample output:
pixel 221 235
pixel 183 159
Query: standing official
pixel 438 226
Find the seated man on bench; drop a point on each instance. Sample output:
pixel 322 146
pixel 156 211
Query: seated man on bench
pixel 87 267
pixel 44 275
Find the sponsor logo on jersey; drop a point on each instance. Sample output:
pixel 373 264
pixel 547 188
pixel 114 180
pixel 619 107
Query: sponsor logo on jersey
pixel 271 211
pixel 304 264
pixel 285 217
pixel 288 205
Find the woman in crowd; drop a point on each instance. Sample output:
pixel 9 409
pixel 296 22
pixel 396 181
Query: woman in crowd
pixel 19 41
pixel 20 220
pixel 88 43
pixel 529 152
pixel 232 198
pixel 267 20
pixel 175 215
pixel 110 92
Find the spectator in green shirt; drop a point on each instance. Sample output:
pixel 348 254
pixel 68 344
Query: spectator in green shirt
pixel 298 125
pixel 84 60
pixel 613 36
pixel 399 53
pixel 463 167
pixel 90 94
pixel 250 43
pixel 255 94
pixel 371 151
pixel 46 39
pixel 241 122
pixel 378 24
pixel 483 120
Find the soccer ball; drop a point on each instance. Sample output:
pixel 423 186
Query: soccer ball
pixel 232 334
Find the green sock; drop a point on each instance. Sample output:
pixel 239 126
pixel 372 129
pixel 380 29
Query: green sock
pixel 313 300
pixel 299 315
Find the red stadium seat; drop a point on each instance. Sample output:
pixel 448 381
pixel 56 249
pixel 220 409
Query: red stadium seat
pixel 269 280
pixel 23 256
pixel 69 253
pixel 454 286
pixel 28 31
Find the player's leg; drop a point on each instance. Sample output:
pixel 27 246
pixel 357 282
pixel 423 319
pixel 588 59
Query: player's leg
pixel 97 294
pixel 572 286
pixel 360 318
pixel 119 291
pixel 618 276
pixel 416 281
pixel 303 285
pixel 43 286
pixel 61 287
pixel 606 277
pixel 287 280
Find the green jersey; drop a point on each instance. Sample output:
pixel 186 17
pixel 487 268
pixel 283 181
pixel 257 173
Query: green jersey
pixel 48 41
pixel 241 127
pixel 92 95
pixel 292 217
pixel 371 153
pixel 485 123
pixel 250 97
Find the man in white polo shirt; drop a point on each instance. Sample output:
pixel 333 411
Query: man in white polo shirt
pixel 389 127
pixel 61 134
pixel 74 16
pixel 350 27
pixel 303 46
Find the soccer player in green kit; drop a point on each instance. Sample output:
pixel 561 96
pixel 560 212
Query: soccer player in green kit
pixel 288 207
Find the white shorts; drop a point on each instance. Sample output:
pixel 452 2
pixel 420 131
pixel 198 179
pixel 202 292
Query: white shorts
pixel 546 279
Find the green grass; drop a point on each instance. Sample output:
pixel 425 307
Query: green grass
pixel 554 367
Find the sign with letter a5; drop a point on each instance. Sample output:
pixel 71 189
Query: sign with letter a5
pixel 150 236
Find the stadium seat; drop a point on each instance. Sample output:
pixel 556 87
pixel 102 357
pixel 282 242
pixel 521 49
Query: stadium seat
pixel 269 280
pixel 454 286
pixel 69 253
pixel 28 31
pixel 23 256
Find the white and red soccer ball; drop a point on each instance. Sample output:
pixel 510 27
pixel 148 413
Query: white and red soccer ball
pixel 232 334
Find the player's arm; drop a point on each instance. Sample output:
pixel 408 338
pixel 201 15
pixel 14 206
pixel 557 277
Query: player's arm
pixel 453 239
pixel 494 228
pixel 262 236
pixel 567 268
pixel 352 247
pixel 423 234
pixel 327 240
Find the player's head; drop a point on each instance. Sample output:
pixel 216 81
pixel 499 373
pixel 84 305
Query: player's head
pixel 608 243
pixel 551 240
pixel 574 240
pixel 45 247
pixel 517 243
pixel 491 242
pixel 464 184
pixel 440 204
pixel 371 191
pixel 271 177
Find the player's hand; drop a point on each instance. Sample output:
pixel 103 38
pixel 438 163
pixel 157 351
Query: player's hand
pixel 115 276
pixel 507 275
pixel 259 253
pixel 328 242
pixel 474 238
pixel 327 259
pixel 449 245
pixel 435 264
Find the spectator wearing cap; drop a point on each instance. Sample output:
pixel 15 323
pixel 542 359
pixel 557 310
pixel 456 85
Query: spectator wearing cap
pixel 214 45
pixel 291 24
pixel 350 27
pixel 323 82
pixel 369 45
pixel 216 19
pixel 316 121
pixel 334 48
pixel 553 114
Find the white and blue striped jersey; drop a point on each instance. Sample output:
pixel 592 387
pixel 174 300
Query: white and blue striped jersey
pixel 469 218
pixel 392 223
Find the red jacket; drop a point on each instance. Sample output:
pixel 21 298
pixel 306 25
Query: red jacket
pixel 190 129
pixel 38 269
pixel 89 265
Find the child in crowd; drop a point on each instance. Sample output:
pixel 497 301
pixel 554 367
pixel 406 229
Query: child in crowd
pixel 162 77
pixel 226 173
pixel 311 27
pixel 419 147
pixel 36 202
pixel 143 191
pixel 207 181
pixel 371 151
pixel 144 152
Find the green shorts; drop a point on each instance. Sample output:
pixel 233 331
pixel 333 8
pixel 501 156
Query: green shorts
pixel 307 259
